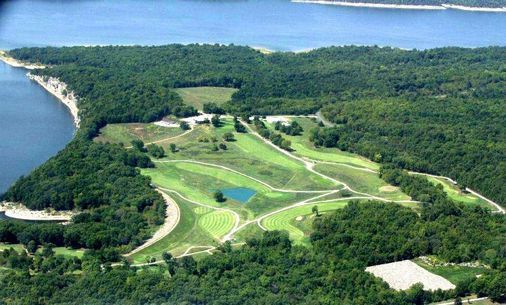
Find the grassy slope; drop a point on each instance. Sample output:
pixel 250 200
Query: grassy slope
pixel 304 148
pixel 362 181
pixel 455 194
pixel 249 155
pixel 299 229
pixel 187 233
pixel 454 274
pixel 197 96
pixel 125 133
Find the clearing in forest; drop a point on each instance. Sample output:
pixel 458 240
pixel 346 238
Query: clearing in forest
pixel 198 96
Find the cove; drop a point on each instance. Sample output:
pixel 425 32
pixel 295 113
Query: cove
pixel 241 194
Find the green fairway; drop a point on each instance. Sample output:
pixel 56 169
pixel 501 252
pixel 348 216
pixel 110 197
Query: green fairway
pixel 247 162
pixel 362 181
pixel 125 133
pixel 68 252
pixel 454 274
pixel 249 155
pixel 289 220
pixel 217 223
pixel 199 182
pixel 187 233
pixel 198 96
pixel 456 194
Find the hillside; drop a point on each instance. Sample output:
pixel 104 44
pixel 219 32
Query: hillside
pixel 421 110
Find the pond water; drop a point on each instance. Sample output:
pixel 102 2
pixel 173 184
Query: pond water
pixel 241 194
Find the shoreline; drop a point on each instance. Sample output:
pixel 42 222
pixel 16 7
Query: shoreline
pixel 56 88
pixel 372 5
pixel 52 85
pixel 20 212
pixel 18 64
pixel 405 6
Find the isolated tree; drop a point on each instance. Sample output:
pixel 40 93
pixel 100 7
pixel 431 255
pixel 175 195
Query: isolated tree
pixel 215 120
pixel 219 197
pixel 285 144
pixel 239 127
pixel 228 136
pixel 223 146
pixel 173 147
pixel 184 125
pixel 314 210
pixel 139 145
pixel 458 301
pixel 156 151
pixel 215 147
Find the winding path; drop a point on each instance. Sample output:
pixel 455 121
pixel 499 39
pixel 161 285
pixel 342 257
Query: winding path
pixel 242 174
pixel 236 215
pixel 172 217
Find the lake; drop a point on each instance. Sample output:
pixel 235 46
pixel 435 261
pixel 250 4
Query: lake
pixel 34 126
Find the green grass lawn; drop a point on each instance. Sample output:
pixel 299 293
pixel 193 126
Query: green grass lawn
pixel 198 183
pixel 217 223
pixel 454 274
pixel 198 96
pixel 17 247
pixel 57 250
pixel 456 194
pixel 362 181
pixel 187 233
pixel 249 155
pixel 125 133
pixel 297 221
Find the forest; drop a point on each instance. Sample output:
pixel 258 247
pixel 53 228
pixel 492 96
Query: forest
pixel 270 270
pixel 472 3
pixel 439 111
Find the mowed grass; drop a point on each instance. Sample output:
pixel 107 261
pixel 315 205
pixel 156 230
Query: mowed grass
pixel 362 181
pixel 187 233
pixel 125 133
pixel 303 147
pixel 250 155
pixel 456 194
pixel 68 252
pixel 454 274
pixel 198 96
pixel 199 182
pixel 217 223
pixel 287 220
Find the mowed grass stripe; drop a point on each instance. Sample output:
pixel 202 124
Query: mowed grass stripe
pixel 217 223
pixel 284 220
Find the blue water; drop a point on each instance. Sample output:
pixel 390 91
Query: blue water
pixel 33 126
pixel 241 194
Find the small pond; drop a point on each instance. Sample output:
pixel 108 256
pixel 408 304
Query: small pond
pixel 241 194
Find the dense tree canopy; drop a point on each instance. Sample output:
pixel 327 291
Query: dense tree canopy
pixel 439 110
pixel 270 270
